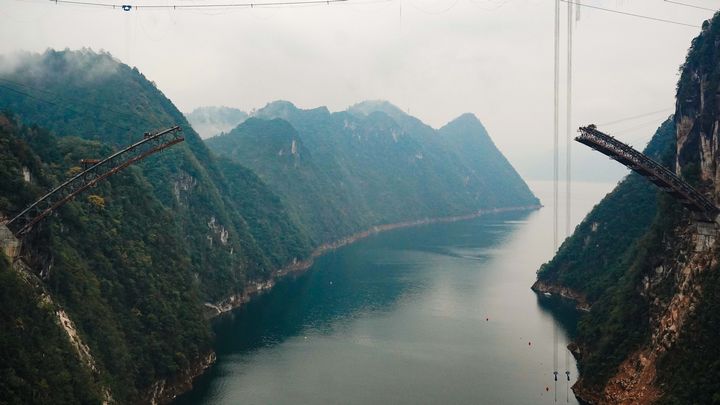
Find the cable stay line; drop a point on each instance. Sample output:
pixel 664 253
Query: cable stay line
pixel 691 5
pixel 129 7
pixel 556 122
pixel 568 160
pixel 634 117
pixel 642 16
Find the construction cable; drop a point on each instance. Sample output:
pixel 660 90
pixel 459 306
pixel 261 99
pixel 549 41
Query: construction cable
pixel 634 117
pixel 645 17
pixel 568 160
pixel 691 5
pixel 555 171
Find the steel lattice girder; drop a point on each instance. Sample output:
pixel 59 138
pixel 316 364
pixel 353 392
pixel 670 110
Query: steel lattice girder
pixel 647 167
pixel 151 143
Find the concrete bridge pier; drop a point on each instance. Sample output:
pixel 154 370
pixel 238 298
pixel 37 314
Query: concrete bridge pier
pixel 9 244
pixel 706 233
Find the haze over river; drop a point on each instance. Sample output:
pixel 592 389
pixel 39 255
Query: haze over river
pixel 439 314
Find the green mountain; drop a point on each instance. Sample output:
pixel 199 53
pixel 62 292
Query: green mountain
pixel 341 173
pixel 647 270
pixel 133 267
pixel 111 296
pixel 211 121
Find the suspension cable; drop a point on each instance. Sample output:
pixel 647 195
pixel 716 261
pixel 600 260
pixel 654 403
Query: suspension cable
pixel 555 171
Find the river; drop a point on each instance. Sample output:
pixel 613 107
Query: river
pixel 436 314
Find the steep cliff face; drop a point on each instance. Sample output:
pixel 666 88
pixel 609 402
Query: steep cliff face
pixel 650 334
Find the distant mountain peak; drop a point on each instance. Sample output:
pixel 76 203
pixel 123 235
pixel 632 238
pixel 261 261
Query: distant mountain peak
pixel 280 104
pixel 464 125
pixel 367 107
pixel 284 109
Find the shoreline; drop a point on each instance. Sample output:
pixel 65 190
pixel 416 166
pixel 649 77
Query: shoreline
pixel 254 289
pixel 542 287
pixel 298 266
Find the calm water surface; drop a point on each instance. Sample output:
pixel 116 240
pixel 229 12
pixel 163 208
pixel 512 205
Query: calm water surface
pixel 438 314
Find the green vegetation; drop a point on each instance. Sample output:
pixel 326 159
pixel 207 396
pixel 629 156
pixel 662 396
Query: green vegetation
pixel 624 255
pixel 133 260
pixel 617 243
pixel 38 364
pixel 345 172
pixel 92 96
pixel 116 268
pixel 690 372
pixel 602 246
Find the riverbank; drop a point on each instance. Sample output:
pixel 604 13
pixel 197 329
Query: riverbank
pixel 254 289
pixel 580 301
pixel 298 266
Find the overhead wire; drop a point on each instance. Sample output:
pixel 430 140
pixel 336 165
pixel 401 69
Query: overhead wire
pixel 129 7
pixel 642 16
pixel 438 12
pixel 634 117
pixel 556 119
pixel 568 160
pixel 637 126
pixel 494 6
pixel 691 5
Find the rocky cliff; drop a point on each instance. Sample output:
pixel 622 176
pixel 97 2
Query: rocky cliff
pixel 650 334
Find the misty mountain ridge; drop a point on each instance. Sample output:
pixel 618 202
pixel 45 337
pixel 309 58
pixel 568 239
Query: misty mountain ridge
pixel 193 231
pixel 211 121
pixel 340 172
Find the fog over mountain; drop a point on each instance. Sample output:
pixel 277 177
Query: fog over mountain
pixel 431 58
pixel 211 121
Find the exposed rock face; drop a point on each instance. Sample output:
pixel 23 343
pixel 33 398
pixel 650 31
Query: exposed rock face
pixel 62 319
pixel 635 381
pixel 580 300
pixel 182 187
pixel 9 244
pixel 164 391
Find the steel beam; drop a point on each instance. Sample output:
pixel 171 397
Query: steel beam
pixel 151 143
pixel 654 171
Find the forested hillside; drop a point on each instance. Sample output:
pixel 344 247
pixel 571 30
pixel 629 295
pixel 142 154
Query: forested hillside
pixel 130 269
pixel 133 265
pixel 96 261
pixel 344 172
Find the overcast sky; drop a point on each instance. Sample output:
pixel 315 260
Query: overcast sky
pixel 433 58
